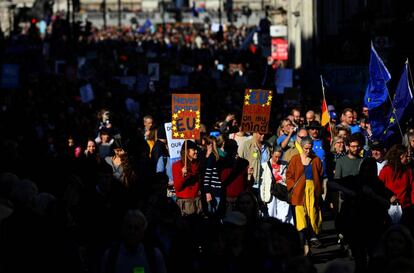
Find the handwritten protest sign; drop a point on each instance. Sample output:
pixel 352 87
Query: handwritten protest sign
pixel 256 110
pixel 185 116
pixel 174 145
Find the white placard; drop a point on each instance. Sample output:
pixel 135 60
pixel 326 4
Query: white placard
pixel 174 145
pixel 278 31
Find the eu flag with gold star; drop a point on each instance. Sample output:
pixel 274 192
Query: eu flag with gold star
pixel 377 92
pixel 401 105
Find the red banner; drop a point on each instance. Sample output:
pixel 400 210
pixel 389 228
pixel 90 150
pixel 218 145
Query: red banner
pixel 280 49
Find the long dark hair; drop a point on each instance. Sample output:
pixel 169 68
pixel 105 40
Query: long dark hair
pixel 393 158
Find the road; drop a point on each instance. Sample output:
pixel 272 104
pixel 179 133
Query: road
pixel 331 250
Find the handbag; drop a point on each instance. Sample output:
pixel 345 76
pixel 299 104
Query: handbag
pixel 278 190
pixel 290 192
pixel 395 212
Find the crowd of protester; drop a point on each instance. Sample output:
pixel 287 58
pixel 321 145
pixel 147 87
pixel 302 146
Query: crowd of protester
pixel 89 186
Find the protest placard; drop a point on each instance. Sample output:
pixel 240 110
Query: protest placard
pixel 60 67
pixel 178 81
pixel 185 116
pixel 154 71
pixel 86 93
pixel 283 79
pixel 9 76
pixel 142 83
pixel 256 110
pixel 128 81
pixel 174 145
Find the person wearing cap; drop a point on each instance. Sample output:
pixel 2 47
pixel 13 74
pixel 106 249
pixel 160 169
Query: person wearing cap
pixel 378 153
pixel 186 174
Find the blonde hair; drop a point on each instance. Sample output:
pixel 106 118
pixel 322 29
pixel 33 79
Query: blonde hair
pixel 212 140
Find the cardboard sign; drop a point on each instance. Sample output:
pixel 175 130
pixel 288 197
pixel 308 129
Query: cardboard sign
pixel 256 110
pixel 185 116
pixel 174 145
pixel 154 71
pixel 128 81
pixel 60 67
pixel 280 49
pixel 86 93
pixel 178 81
pixel 142 83
pixel 283 79
pixel 10 76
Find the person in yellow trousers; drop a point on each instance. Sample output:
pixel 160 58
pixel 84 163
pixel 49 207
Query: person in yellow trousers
pixel 304 178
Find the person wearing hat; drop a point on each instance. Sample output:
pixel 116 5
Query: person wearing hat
pixel 378 153
pixel 186 174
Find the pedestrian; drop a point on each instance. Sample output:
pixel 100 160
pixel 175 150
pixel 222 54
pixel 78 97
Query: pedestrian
pixel 304 178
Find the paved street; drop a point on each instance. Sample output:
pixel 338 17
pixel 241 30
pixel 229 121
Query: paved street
pixel 331 250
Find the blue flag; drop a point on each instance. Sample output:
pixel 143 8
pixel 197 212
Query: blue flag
pixel 377 92
pixel 147 25
pixel 248 40
pixel 400 105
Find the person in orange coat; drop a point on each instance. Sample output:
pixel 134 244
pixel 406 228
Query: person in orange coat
pixel 304 178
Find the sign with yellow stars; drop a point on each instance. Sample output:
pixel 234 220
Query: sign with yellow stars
pixel 256 110
pixel 185 116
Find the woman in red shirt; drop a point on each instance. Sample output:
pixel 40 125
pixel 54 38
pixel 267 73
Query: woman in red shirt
pixel 187 180
pixel 397 176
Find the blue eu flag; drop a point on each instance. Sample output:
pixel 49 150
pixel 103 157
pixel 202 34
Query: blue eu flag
pixel 401 104
pixel 377 92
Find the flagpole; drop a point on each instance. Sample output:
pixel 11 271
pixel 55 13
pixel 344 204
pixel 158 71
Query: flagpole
pixel 389 97
pixel 323 95
pixel 409 72
pixel 392 113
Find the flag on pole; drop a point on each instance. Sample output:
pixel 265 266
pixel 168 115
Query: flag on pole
pixel 376 92
pixel 400 105
pixel 325 113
